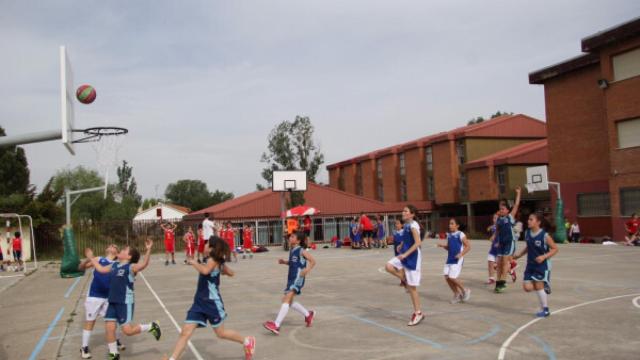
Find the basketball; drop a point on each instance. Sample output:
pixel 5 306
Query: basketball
pixel 86 94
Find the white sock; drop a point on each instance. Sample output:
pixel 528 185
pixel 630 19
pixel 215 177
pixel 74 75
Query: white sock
pixel 113 347
pixel 145 327
pixel 246 341
pixel 299 308
pixel 284 309
pixel 542 297
pixel 86 335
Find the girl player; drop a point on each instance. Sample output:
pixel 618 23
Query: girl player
pixel 247 241
pixel 207 302
pixel 300 264
pixel 540 247
pixel 506 240
pixel 169 242
pixel 457 246
pixel 229 236
pixel 406 266
pixel 121 297
pixel 201 242
pixel 190 245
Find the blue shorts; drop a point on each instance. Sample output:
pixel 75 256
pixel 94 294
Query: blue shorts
pixel 17 255
pixel 535 273
pixel 201 313
pixel 295 285
pixel 507 248
pixel 121 313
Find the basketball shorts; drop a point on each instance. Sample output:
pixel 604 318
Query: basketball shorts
pixel 537 274
pixel 190 249
pixel 94 307
pixel 412 276
pixel 453 270
pixel 169 246
pixel 17 255
pixel 202 313
pixel 120 313
pixel 367 234
pixel 201 247
pixel 507 248
pixel 295 285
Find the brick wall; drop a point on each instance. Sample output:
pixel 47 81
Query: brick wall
pixel 416 174
pixel 445 172
pixel 391 180
pixel 483 184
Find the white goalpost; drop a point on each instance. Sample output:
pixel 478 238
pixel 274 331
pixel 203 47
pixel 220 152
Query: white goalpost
pixel 12 223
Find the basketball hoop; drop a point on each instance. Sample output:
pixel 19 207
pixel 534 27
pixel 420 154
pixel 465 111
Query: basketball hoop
pixel 106 141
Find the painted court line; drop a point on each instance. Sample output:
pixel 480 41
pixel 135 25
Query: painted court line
pixel 73 286
pixel 399 332
pixel 505 345
pixel 636 302
pixel 46 335
pixel 196 353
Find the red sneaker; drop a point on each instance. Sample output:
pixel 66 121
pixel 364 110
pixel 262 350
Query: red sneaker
pixel 416 318
pixel 271 326
pixel 309 319
pixel 249 347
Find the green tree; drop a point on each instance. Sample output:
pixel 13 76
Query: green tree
pixel 194 194
pixel 89 206
pixel 291 146
pixel 15 190
pixel 480 119
pixel 127 186
pixel 150 202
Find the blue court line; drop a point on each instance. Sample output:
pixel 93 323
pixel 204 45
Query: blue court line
pixel 73 286
pixel 496 329
pixel 399 332
pixel 46 335
pixel 545 347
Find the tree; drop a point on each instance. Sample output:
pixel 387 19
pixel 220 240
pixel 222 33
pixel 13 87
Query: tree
pixel 291 147
pixel 194 194
pixel 14 171
pixel 150 202
pixel 480 119
pixel 89 206
pixel 127 186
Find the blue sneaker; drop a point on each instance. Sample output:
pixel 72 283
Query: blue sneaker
pixel 544 313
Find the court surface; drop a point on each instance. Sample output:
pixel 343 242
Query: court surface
pixel 362 312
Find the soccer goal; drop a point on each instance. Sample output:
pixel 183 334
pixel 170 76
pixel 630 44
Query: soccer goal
pixel 23 224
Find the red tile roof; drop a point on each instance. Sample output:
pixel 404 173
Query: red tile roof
pixel 505 126
pixel 534 152
pixel 265 204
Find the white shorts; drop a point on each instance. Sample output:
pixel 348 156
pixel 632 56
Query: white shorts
pixel 95 307
pixel 412 276
pixel 452 270
pixel 491 258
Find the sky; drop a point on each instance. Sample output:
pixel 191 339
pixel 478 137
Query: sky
pixel 200 84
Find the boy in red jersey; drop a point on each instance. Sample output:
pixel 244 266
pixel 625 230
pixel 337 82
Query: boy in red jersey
pixel 247 241
pixel 190 245
pixel 169 242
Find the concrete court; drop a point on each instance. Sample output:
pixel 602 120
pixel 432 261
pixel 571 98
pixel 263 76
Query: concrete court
pixel 362 313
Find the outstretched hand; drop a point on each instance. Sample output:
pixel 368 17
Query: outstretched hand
pixel 281 261
pixel 518 189
pixel 88 253
pixel 148 244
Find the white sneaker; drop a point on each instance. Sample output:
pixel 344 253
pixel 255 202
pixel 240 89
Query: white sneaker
pixel 85 353
pixel 455 300
pixel 467 295
pixel 416 318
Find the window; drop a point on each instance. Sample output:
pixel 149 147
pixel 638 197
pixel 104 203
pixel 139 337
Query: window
pixel 429 155
pixel 359 179
pixel 626 65
pixel 403 179
pixel 463 185
pixel 594 204
pixel 431 189
pixel 340 179
pixel 379 178
pixel 502 179
pixel 629 201
pixel 628 133
pixel 460 152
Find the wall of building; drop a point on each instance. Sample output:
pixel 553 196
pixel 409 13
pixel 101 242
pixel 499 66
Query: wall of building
pixel 369 178
pixel 445 172
pixel 477 148
pixel 416 174
pixel 349 178
pixel 482 184
pixel 334 175
pixel 391 179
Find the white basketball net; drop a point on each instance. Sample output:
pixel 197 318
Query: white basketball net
pixel 107 150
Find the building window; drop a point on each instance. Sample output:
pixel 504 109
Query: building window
pixel 431 188
pixel 379 178
pixel 628 133
pixel 463 185
pixel 460 152
pixel 502 179
pixel 626 65
pixel 429 155
pixel 594 204
pixel 403 179
pixel 359 179
pixel 341 179
pixel 629 201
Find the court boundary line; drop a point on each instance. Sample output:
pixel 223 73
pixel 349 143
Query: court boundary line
pixel 45 336
pixel 195 351
pixel 506 343
pixel 636 302
pixel 72 287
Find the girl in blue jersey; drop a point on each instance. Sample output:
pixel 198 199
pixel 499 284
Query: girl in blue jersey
pixel 506 239
pixel 382 240
pixel 121 296
pixel 300 264
pixel 540 247
pixel 97 299
pixel 406 266
pixel 457 246
pixel 207 302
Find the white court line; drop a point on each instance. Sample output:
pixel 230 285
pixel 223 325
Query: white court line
pixel 636 302
pixel 173 320
pixel 505 345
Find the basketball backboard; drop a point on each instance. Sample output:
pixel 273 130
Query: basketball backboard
pixel 537 179
pixel 67 94
pixel 295 180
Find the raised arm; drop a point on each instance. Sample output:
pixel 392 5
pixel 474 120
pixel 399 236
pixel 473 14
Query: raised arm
pixel 416 243
pixel 96 264
pixel 148 244
pixel 204 269
pixel 516 206
pixel 311 263
pixel 85 264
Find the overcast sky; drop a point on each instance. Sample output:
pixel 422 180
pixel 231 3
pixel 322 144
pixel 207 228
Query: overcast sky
pixel 200 84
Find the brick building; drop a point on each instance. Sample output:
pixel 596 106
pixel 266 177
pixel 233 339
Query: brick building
pixel 593 117
pixel 431 172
